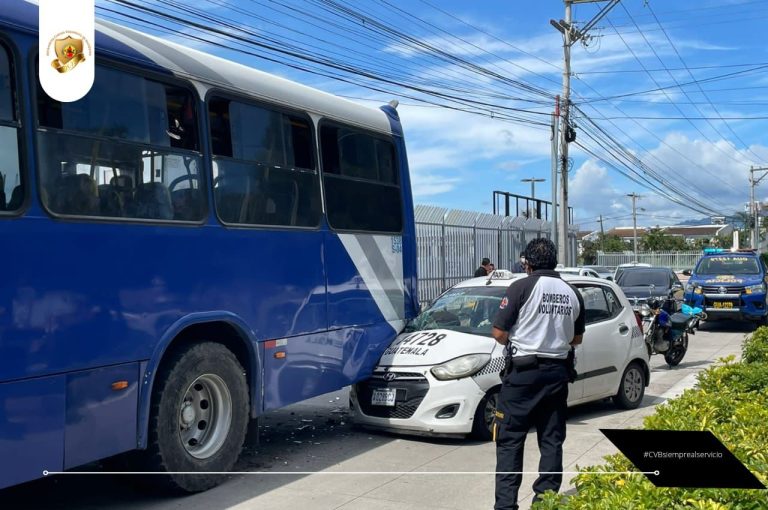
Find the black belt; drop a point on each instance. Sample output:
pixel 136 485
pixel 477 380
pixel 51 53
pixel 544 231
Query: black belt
pixel 544 359
pixel 522 363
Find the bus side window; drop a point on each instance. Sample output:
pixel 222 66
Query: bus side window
pixel 12 183
pixel 360 178
pixel 128 149
pixel 264 169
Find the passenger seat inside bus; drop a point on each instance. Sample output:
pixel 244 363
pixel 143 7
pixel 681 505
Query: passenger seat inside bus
pixel 187 204
pixel 230 193
pixel 116 198
pixel 281 203
pixel 17 197
pixel 153 201
pixel 75 194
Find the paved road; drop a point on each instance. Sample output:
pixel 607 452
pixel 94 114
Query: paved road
pixel 318 436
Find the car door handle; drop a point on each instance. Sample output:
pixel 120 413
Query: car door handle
pixel 623 329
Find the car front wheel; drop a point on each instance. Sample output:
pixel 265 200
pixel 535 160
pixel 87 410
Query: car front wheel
pixel 631 388
pixel 482 425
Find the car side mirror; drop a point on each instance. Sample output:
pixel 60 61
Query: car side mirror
pixel 687 272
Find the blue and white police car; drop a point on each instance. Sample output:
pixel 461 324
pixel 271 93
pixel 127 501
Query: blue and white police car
pixel 441 375
pixel 729 284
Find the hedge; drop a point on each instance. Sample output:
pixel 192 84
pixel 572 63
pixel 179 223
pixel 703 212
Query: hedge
pixel 731 400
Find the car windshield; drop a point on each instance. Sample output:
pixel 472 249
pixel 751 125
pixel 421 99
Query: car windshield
pixel 599 269
pixel 630 278
pixel 468 310
pixel 728 265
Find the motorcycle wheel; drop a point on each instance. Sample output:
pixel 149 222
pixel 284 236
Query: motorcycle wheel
pixel 676 352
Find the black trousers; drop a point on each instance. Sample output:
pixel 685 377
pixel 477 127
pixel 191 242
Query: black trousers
pixel 534 397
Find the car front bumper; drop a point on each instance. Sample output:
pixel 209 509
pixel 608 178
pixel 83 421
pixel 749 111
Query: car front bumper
pixel 420 398
pixel 730 305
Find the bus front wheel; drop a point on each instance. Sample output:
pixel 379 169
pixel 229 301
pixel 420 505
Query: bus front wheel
pixel 199 417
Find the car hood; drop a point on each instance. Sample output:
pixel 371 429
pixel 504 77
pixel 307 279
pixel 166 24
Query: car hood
pixel 726 280
pixel 645 292
pixel 414 349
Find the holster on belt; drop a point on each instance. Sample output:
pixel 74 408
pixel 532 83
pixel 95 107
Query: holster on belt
pixel 520 363
pixel 571 364
pixel 507 366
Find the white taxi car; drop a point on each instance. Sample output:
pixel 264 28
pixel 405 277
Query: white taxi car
pixel 441 375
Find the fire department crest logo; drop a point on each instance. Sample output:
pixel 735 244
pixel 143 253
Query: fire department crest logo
pixel 69 52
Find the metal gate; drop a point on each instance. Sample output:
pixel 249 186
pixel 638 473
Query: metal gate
pixel 451 243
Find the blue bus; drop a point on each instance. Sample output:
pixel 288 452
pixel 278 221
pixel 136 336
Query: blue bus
pixel 191 245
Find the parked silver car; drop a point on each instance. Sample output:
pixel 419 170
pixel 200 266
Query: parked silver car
pixel 603 272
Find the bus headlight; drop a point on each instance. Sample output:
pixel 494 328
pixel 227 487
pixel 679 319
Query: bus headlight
pixel 755 289
pixel 463 366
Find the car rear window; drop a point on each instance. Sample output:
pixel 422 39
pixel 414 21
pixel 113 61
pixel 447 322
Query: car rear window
pixel 644 279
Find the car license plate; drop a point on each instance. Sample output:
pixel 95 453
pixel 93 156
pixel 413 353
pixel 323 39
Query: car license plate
pixel 723 304
pixel 383 398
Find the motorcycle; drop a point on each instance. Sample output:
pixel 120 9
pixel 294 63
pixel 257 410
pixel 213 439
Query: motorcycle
pixel 667 334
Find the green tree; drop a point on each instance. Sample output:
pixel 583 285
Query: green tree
pixel 608 243
pixel 718 242
pixel 657 240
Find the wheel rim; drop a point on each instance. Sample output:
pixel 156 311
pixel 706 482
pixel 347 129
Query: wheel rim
pixel 489 413
pixel 633 384
pixel 205 415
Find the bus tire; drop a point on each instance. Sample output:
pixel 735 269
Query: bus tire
pixel 199 418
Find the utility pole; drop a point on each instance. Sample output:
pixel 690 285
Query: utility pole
pixel 602 234
pixel 553 224
pixel 753 209
pixel 634 197
pixel 567 133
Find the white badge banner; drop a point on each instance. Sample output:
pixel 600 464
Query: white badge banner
pixel 66 39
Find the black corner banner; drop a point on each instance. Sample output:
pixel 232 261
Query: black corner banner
pixel 683 458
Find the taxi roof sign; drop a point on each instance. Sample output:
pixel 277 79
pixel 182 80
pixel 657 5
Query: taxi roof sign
pixel 501 274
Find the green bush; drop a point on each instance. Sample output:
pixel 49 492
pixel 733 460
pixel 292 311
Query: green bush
pixel 755 348
pixel 731 400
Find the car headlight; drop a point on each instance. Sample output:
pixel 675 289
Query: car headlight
pixel 693 287
pixel 463 366
pixel 755 289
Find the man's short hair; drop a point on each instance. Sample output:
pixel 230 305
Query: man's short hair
pixel 485 261
pixel 541 254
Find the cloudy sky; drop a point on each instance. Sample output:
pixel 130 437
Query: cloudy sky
pixel 679 88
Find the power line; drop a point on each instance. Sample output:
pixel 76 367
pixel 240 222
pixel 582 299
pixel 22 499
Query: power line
pixel 719 115
pixel 231 32
pixel 718 66
pixel 653 50
pixel 680 85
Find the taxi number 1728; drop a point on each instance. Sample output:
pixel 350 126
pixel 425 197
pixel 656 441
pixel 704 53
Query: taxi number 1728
pixel 422 338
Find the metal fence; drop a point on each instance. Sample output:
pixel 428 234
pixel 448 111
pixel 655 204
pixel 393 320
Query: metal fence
pixel 677 260
pixel 451 244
